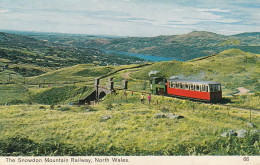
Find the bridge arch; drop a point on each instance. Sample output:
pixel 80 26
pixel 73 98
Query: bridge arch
pixel 102 95
pixel 101 91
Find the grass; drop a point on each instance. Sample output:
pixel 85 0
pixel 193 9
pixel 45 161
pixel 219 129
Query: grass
pixel 13 93
pixel 133 128
pixel 247 101
pixel 233 68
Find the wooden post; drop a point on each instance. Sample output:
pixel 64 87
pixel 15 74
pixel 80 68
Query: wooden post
pixel 250 115
pixel 43 82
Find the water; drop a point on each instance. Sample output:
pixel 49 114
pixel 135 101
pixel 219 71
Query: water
pixel 143 56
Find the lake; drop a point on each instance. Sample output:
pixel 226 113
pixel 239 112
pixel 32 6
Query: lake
pixel 143 56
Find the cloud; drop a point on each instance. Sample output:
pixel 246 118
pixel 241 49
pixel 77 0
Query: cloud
pixel 2 11
pixel 128 17
pixel 214 10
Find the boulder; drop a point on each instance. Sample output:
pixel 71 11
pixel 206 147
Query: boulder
pixel 229 133
pixel 251 125
pixel 254 131
pixel 172 116
pixel 106 117
pixel 242 133
pixel 160 115
pixel 169 116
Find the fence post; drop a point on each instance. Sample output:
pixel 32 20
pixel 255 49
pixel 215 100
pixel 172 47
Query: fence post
pixel 250 115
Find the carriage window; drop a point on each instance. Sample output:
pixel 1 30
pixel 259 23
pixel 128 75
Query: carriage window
pixel 174 85
pixel 219 87
pixel 181 85
pixel 197 87
pixel 191 87
pixel 214 88
pixel 178 85
pixel 207 89
pixel 203 88
pixel 211 88
pixel 186 86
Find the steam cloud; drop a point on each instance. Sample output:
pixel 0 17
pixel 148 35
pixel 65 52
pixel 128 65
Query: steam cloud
pixel 153 72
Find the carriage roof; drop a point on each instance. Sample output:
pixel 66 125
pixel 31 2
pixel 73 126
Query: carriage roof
pixel 192 81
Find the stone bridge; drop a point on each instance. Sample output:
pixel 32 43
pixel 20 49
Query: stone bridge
pixel 101 91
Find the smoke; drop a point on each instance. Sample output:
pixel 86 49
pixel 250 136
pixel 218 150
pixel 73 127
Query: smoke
pixel 153 72
pixel 174 77
pixel 180 76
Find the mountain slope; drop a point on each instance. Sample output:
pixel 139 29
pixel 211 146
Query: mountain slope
pixel 233 68
pixel 29 56
pixel 186 46
pixel 183 47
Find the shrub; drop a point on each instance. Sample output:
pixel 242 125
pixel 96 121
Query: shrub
pixel 164 109
pixel 64 108
pixel 22 146
pixel 109 106
pixel 52 106
pixel 15 102
pixel 42 107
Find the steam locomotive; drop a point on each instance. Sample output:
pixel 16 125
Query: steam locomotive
pixel 208 91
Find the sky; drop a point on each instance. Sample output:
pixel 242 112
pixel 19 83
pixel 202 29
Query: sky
pixel 140 18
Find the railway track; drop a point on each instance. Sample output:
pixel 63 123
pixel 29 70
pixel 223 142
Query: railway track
pixel 200 101
pixel 218 104
pixel 241 108
pixel 208 103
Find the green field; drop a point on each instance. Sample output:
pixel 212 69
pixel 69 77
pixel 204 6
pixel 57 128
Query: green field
pixel 133 128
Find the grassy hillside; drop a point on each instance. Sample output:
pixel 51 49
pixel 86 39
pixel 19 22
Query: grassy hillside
pixel 233 68
pixel 126 127
pixel 28 56
pixel 42 121
pixel 65 85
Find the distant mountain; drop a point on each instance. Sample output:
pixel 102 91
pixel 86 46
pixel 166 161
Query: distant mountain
pixel 30 56
pixel 184 47
pixel 248 34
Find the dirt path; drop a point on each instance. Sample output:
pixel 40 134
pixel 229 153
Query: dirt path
pixel 242 91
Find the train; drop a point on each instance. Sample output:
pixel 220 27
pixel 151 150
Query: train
pixel 208 91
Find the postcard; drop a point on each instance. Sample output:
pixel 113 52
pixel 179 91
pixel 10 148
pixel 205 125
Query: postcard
pixel 129 82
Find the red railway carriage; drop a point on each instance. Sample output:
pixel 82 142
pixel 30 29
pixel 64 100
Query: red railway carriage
pixel 201 90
